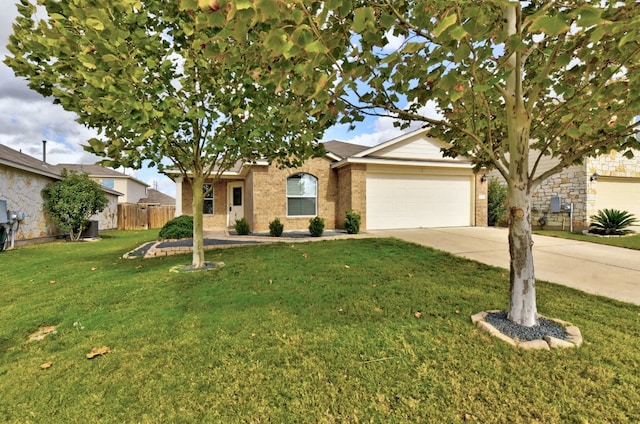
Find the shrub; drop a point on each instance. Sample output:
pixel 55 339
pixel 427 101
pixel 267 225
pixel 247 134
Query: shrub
pixel 177 228
pixel 612 222
pixel 316 226
pixel 242 227
pixel 352 222
pixel 275 228
pixel 496 196
pixel 71 201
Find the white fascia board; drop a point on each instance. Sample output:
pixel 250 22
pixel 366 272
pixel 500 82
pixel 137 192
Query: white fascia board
pixel 396 162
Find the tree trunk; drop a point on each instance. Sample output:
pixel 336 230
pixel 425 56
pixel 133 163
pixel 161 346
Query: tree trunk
pixel 522 306
pixel 198 227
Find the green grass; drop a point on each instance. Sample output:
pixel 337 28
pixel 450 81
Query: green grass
pixel 312 332
pixel 629 242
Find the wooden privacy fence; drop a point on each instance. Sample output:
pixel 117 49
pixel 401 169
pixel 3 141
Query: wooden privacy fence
pixel 138 217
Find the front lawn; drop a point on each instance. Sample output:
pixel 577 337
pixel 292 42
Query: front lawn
pixel 294 333
pixel 629 242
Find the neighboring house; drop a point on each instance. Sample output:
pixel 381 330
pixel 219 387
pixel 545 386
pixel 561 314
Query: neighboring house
pixel 607 181
pixel 132 189
pixel 22 179
pixel 402 183
pixel 155 197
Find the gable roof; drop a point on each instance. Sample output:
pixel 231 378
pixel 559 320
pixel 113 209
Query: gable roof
pixel 97 171
pixel 155 197
pixel 19 160
pixel 342 149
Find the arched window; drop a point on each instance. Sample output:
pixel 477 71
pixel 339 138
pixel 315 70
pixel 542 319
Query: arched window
pixel 302 195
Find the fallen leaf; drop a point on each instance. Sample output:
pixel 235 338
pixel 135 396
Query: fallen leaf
pixel 98 351
pixel 46 365
pixel 410 275
pixel 417 314
pixel 347 266
pixel 253 334
pixel 306 255
pixel 52 281
pixel 270 281
pixel 139 266
pixel 93 268
pixel 377 309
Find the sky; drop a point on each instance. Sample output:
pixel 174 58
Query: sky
pixel 27 118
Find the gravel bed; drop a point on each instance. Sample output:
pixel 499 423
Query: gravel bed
pixel 544 328
pixel 142 250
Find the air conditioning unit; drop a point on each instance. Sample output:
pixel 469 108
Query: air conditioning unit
pixel 4 216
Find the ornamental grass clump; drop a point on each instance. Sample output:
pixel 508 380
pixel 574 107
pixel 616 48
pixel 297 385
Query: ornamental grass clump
pixel 612 222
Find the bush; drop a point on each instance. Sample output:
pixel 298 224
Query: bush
pixel 316 226
pixel 612 222
pixel 275 228
pixel 177 228
pixel 496 196
pixel 242 227
pixel 352 222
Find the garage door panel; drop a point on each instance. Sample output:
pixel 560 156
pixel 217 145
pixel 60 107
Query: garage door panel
pixel 621 194
pixel 413 201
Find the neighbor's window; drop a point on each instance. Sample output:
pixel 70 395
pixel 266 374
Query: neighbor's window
pixel 302 195
pixel 108 183
pixel 207 207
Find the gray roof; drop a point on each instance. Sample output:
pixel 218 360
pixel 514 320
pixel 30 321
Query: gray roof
pixel 155 197
pixel 16 159
pixel 97 171
pixel 342 149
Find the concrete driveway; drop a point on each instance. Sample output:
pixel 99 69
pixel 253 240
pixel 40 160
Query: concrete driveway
pixel 594 268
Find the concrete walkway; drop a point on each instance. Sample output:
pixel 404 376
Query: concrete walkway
pixel 594 268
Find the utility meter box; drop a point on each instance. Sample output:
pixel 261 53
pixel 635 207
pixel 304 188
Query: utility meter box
pixel 4 218
pixel 556 204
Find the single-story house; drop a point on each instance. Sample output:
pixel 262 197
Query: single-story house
pixel 568 199
pixel 402 183
pixel 22 179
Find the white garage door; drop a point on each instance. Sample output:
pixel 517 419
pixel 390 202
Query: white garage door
pixel 618 193
pixel 414 201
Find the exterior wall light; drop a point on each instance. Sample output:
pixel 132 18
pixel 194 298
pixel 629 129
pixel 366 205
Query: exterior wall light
pixel 594 177
pixel 483 178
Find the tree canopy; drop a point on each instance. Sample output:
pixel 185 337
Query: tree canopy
pixel 160 80
pixel 510 82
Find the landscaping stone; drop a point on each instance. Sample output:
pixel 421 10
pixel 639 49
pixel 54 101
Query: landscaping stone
pixel 573 335
pixel 534 345
pixel 557 343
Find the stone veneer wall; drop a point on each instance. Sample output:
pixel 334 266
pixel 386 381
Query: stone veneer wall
pixel 22 190
pixel 571 186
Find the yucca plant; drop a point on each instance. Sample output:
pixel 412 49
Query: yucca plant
pixel 612 222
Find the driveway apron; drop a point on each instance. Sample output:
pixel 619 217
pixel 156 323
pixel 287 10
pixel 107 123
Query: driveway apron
pixel 593 268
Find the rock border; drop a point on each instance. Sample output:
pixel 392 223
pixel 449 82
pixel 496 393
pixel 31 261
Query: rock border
pixel 574 338
pixel 208 266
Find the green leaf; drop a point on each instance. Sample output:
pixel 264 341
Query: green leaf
pixel 551 25
pixel 444 24
pixel 243 4
pixel 95 23
pixel 361 19
pixel 588 16
pixel 458 32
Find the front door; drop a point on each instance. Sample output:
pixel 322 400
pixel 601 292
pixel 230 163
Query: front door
pixel 235 201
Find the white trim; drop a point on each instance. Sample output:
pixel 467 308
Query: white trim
pixel 440 163
pixel 178 182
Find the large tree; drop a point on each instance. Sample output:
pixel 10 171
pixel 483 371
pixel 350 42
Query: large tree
pixel 164 79
pixel 513 82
